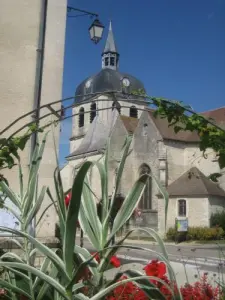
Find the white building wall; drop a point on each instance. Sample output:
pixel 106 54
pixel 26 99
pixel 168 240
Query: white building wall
pixel 197 211
pixel 20 24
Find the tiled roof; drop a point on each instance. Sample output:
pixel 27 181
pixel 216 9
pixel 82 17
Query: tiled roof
pixel 167 131
pixel 218 115
pixel 194 183
pixel 129 123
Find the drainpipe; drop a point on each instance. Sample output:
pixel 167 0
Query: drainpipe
pixel 40 65
pixel 38 79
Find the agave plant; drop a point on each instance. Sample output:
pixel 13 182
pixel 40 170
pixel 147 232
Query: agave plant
pixel 60 273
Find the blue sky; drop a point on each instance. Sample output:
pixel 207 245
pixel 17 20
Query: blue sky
pixel 175 47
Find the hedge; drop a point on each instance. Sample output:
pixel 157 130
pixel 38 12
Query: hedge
pixel 196 234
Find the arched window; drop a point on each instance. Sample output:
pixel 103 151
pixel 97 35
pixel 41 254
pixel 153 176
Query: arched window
pixel 93 112
pixel 133 112
pixel 81 117
pixel 117 106
pixel 146 199
pixel 182 208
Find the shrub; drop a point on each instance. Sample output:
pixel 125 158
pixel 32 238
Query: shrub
pixel 218 219
pixel 197 233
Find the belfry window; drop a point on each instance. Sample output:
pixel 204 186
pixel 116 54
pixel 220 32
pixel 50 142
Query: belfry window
pixel 182 208
pixel 112 61
pixel 146 199
pixel 106 61
pixel 81 117
pixel 133 112
pixel 117 106
pixel 93 111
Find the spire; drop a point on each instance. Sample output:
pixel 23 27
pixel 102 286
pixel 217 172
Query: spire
pixel 110 45
pixel 110 56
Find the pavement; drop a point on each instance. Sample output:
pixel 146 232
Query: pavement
pixel 189 260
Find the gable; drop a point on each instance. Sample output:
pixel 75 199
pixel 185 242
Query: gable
pixel 129 123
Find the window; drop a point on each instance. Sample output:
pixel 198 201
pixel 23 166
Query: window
pixel 112 61
pixel 117 106
pixel 81 117
pixel 106 61
pixel 133 112
pixel 146 199
pixel 182 209
pixel 93 112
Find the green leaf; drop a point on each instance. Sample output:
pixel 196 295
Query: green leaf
pixel 44 288
pixel 44 267
pixel 72 217
pixel 52 282
pixel 41 247
pixel 90 211
pixel 86 227
pixel 81 297
pixel 11 287
pixel 35 207
pixel 85 255
pixel 9 193
pixel 77 286
pixel 18 273
pixel 221 160
pixel 12 256
pixel 129 204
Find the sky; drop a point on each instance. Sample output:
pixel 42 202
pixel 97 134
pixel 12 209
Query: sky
pixel 175 47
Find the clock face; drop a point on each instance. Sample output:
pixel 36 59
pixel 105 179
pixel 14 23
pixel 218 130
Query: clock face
pixel 126 82
pixel 88 84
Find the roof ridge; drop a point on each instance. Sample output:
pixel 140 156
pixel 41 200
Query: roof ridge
pixel 206 111
pixel 202 177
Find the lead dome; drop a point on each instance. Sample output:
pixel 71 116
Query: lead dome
pixel 109 79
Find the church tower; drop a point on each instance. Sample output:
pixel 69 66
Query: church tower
pixel 110 55
pixel 103 92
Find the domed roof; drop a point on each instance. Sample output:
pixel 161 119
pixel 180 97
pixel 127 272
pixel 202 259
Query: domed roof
pixel 107 80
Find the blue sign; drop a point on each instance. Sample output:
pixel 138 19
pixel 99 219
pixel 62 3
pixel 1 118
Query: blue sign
pixel 182 225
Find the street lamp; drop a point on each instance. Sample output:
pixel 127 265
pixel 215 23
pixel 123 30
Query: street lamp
pixel 96 28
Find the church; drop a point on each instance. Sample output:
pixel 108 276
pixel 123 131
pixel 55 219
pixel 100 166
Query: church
pixel 104 110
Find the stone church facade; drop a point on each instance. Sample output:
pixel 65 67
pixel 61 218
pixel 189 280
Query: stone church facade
pixel 105 111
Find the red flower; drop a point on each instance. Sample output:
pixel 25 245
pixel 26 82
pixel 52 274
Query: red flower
pixel 155 268
pixel 68 198
pixel 115 262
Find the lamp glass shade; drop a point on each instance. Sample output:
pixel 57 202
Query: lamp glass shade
pixel 96 31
